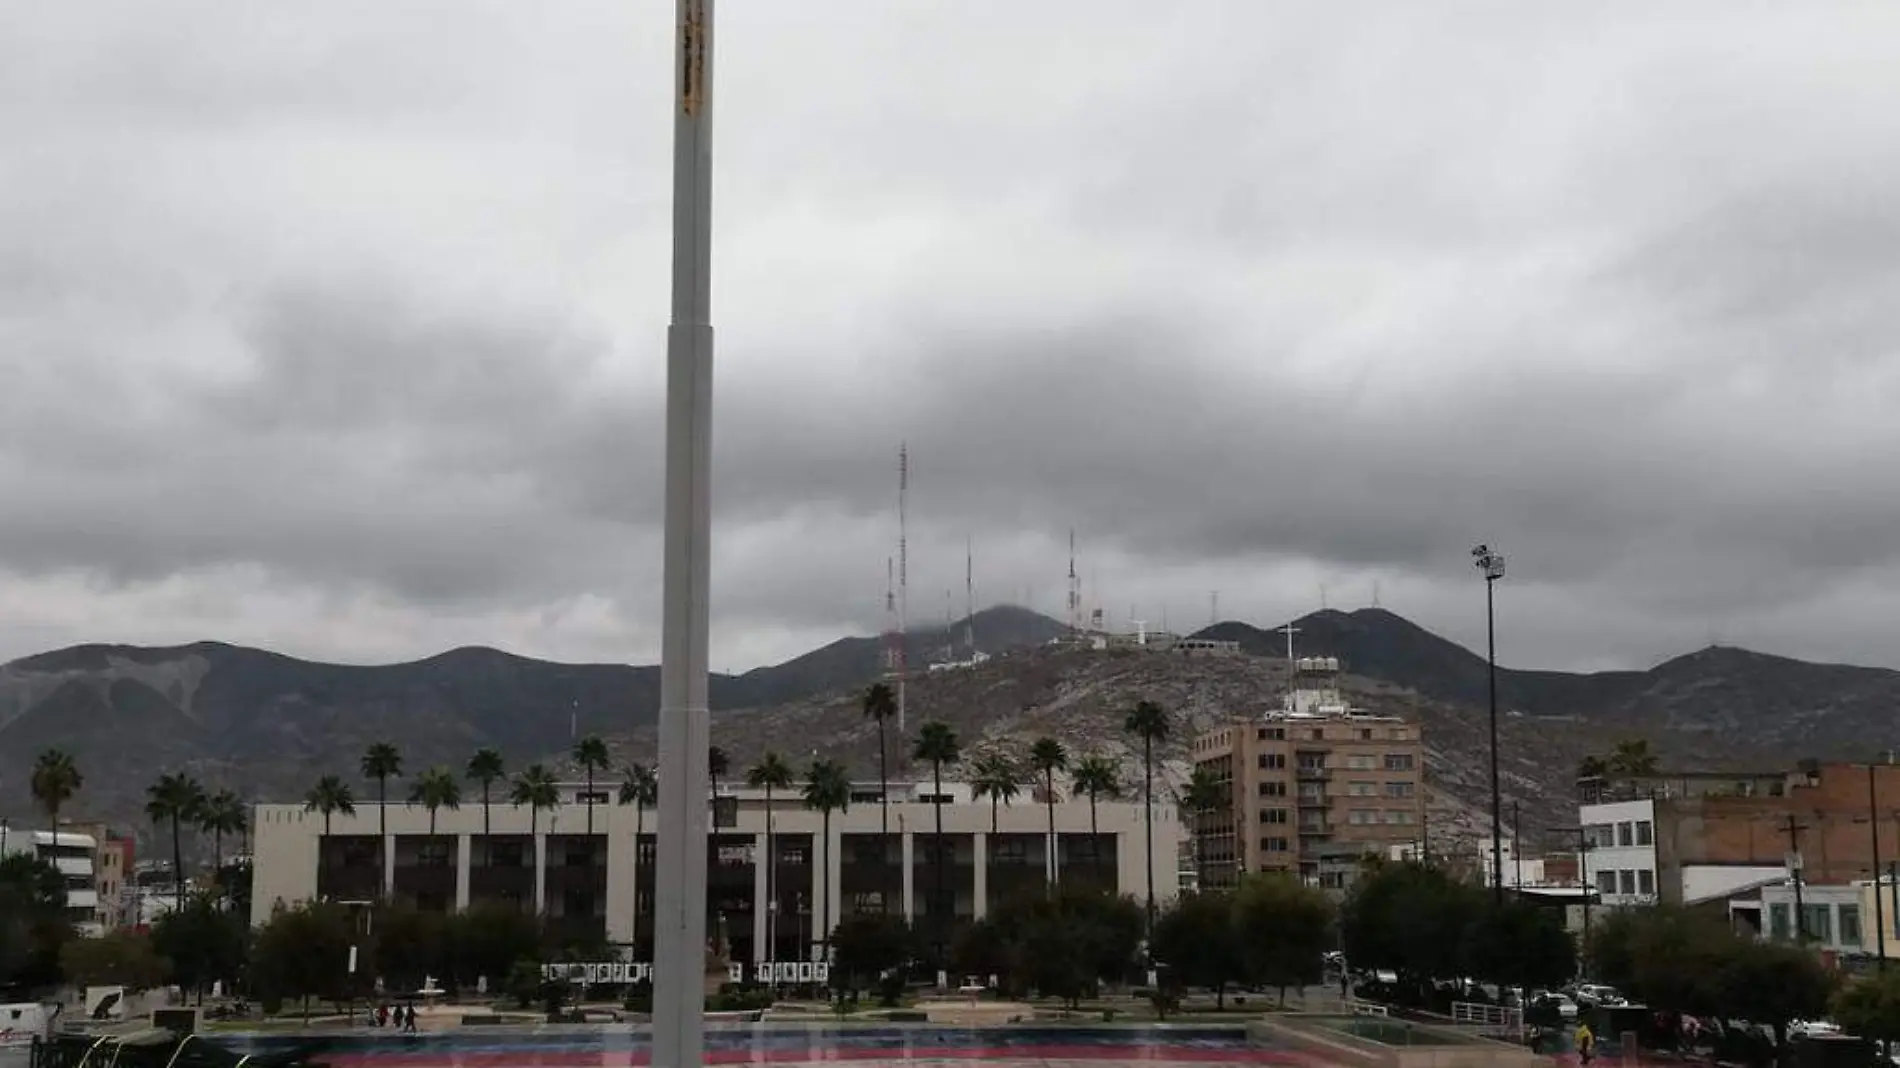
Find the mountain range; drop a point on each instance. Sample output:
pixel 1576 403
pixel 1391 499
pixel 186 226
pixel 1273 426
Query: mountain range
pixel 267 724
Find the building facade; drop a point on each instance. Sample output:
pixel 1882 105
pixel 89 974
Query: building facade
pixel 599 887
pixel 1311 788
pixel 1688 838
pixel 75 857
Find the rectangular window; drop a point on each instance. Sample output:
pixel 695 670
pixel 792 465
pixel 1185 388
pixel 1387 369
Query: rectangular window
pixel 1778 925
pixel 1312 791
pixel 1319 734
pixel 1273 762
pixel 1606 882
pixel 1272 789
pixel 1362 789
pixel 1363 817
pixel 1645 882
pixel 1850 925
pixel 1398 762
pixel 1645 833
pixel 1397 816
pixel 1819 925
pixel 1273 815
pixel 1626 881
pixel 1398 789
pixel 1273 845
pixel 1361 762
pixel 1365 734
pixel 1312 761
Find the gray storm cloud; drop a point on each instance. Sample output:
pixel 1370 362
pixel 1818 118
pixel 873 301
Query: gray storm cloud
pixel 341 332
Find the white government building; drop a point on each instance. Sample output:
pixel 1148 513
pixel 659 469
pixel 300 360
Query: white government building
pixel 599 889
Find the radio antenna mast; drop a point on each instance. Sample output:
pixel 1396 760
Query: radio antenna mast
pixel 903 577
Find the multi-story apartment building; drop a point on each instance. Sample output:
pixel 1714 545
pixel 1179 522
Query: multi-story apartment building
pixel 1312 787
pixel 74 856
pixel 600 887
pixel 1691 837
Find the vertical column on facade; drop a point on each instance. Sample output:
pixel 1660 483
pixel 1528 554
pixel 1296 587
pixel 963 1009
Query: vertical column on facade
pixel 540 875
pixel 621 876
pixel 389 866
pixel 463 848
pixel 824 873
pixel 980 893
pixel 760 902
pixel 906 847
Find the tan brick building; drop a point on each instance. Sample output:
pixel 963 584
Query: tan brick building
pixel 1311 788
pixel 1685 837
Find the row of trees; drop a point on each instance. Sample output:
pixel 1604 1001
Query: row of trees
pixel 175 802
pixel 999 776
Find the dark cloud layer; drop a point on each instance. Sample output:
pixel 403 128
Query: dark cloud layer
pixel 341 331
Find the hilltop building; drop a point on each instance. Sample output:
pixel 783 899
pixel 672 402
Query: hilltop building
pixel 1312 787
pixel 600 888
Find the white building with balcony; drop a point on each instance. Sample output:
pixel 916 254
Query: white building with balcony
pixel 75 856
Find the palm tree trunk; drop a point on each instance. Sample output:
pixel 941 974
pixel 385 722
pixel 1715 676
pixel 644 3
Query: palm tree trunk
pixel 1148 819
pixel 382 834
pixel 826 886
pixel 217 857
pixel 488 839
pixel 936 802
pixel 639 832
pixel 178 868
pixel 771 884
pixel 1095 839
pixel 323 854
pixel 590 809
pixel 535 870
pixel 1055 846
pixel 884 804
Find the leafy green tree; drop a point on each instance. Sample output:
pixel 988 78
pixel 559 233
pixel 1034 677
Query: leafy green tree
pixel 381 762
pixel 1411 919
pixel 485 769
pixel 55 780
pixel 33 924
pixel 328 797
pixel 487 941
pixel 867 945
pixel 122 957
pixel 1869 1006
pixel 827 790
pixel 222 814
pixel 937 745
pixel 718 766
pixel 1632 756
pixel 1283 929
pixel 411 945
pixel 1518 944
pixel 1149 722
pixel 176 799
pixel 202 943
pixel 1194 944
pixel 770 774
pixel 592 756
pixel 1773 985
pixel 304 953
pixel 1047 757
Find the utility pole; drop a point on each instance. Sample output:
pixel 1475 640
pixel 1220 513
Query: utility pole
pixel 1584 846
pixel 1517 846
pixel 1491 564
pixel 679 922
pixel 1794 829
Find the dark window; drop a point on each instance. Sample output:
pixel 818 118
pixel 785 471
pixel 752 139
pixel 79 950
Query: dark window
pixel 506 855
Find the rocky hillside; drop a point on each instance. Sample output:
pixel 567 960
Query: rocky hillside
pixel 267 725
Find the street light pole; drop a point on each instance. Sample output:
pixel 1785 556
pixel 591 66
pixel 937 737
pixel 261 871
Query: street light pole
pixel 1873 832
pixel 679 958
pixel 1491 564
pixel 1517 847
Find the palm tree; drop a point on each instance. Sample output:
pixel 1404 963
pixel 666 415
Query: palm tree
pixel 1048 757
pixel 718 766
pixel 1592 767
pixel 382 762
pixel 176 799
pixel 770 774
pixel 995 777
pixel 1632 757
pixel 55 780
pixel 535 787
pixel 640 788
pixel 223 814
pixel 1202 794
pixel 486 767
pixel 1096 776
pixel 329 796
pixel 880 707
pixel 937 743
pixel 591 754
pixel 827 789
pixel 1149 722
pixel 436 789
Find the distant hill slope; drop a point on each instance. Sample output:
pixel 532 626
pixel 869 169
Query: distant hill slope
pixel 267 724
pixel 258 721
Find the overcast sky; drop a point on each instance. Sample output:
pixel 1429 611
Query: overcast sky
pixel 338 327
